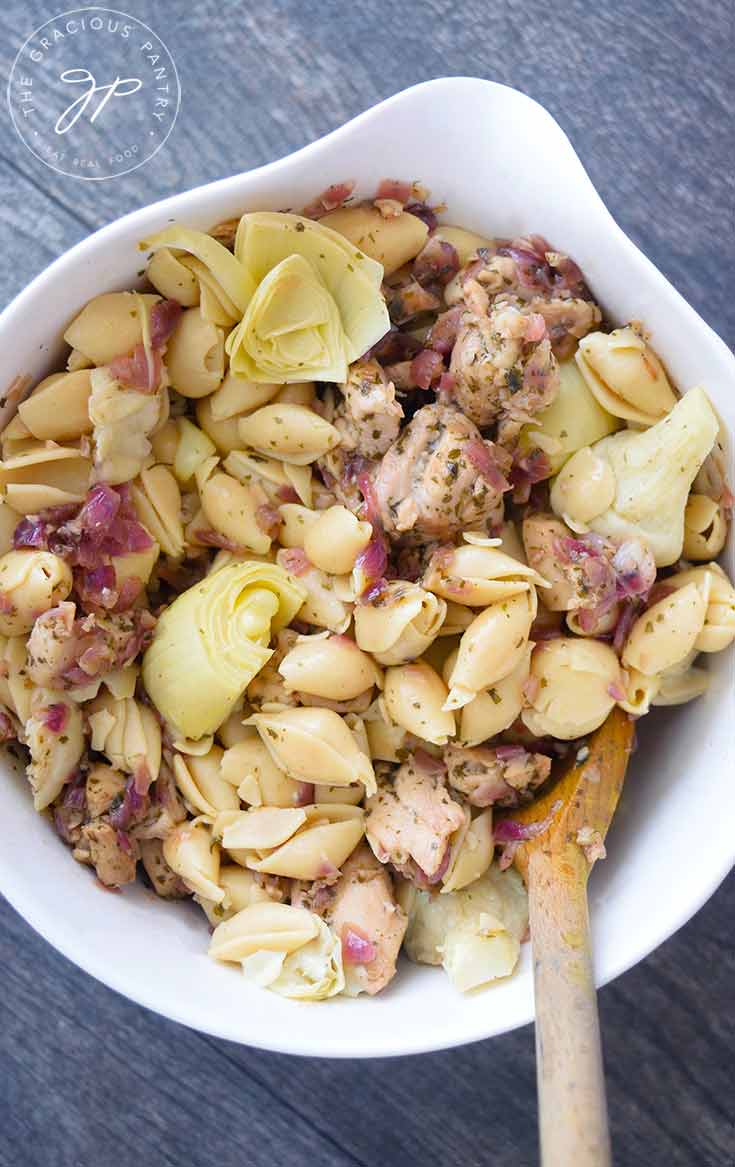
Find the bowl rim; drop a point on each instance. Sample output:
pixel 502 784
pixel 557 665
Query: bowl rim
pixel 43 921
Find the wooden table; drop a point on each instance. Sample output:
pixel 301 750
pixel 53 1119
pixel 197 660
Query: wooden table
pixel 645 91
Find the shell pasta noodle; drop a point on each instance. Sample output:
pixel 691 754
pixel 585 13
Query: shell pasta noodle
pixel 332 538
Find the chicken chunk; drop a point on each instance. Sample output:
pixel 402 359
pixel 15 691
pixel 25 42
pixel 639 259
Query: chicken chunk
pixel 104 786
pixel 166 883
pixel 587 573
pixel 366 917
pixel 113 854
pixel 439 478
pixel 502 363
pixel 64 651
pixel 368 417
pixel 567 321
pixel 495 776
pixel 411 820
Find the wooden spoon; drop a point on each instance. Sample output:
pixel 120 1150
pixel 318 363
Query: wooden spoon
pixel 555 865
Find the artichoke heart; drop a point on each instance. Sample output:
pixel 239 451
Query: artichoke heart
pixel 213 639
pixel 351 279
pixel 292 329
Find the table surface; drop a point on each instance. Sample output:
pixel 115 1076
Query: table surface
pixel 645 91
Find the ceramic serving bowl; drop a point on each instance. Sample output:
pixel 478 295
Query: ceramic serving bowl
pixel 504 167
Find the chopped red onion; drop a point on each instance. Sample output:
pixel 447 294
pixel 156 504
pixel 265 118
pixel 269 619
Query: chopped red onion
pixel 425 213
pixel 508 830
pixel 133 805
pixel 165 316
pixel 437 262
pixel 428 763
pixel 371 563
pixel 295 560
pixel 394 188
pixel 356 947
pixel 268 519
pixel 210 538
pixel 55 717
pixel 426 368
pixel 509 753
pixel 304 795
pixel 287 494
pixel 616 691
pixel 444 330
pixel 482 458
pixel 330 199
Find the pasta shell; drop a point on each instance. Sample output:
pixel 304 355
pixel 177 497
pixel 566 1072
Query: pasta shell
pixel 415 697
pixel 109 326
pixel 172 278
pixel 315 745
pixel 399 623
pixel 390 241
pixel 292 433
pixel 477 576
pixel 249 767
pixel 311 973
pixel 201 783
pixel 667 631
pixel 54 735
pixel 719 625
pixel 157 501
pixel 58 408
pixel 577 679
pixel 472 853
pixel 31 582
pixel 495 709
pixel 332 667
pixel 270 927
pixel 128 733
pixel 583 489
pixel 232 508
pixel 335 540
pixel 491 647
pixel 705 528
pixel 625 375
pixel 328 837
pixel 42 477
pixel 191 851
pixel 195 355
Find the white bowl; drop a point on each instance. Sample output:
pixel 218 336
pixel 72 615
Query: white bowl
pixel 503 166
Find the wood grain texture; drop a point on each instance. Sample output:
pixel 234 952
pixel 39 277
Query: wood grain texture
pixel 645 91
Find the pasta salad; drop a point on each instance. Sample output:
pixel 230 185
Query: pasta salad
pixel 329 540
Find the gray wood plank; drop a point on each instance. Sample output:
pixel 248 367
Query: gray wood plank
pixel 645 92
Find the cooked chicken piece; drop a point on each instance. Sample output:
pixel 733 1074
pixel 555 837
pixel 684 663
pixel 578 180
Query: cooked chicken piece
pixel 64 652
pixel 502 362
pixel 165 811
pixel 500 775
pixel 366 917
pixel 588 573
pixel 566 322
pixel 165 881
pixel 412 819
pixel 104 786
pixel 368 417
pixel 439 478
pixel 112 853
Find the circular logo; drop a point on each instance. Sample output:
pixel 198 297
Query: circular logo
pixel 94 93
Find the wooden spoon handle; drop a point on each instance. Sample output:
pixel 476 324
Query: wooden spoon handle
pixel 571 1086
